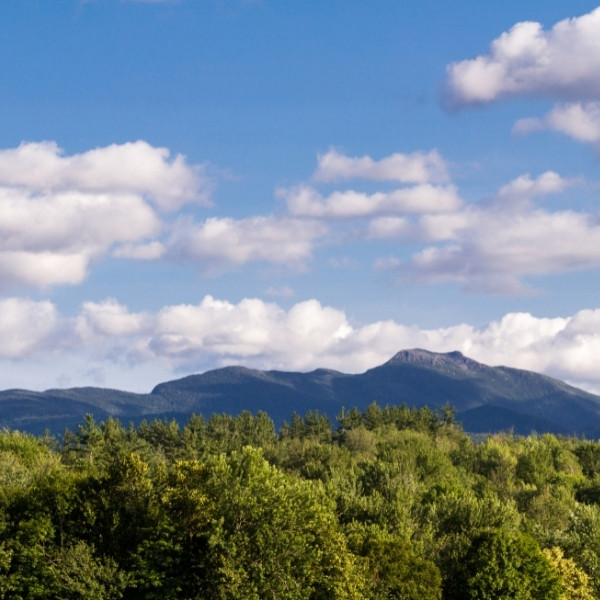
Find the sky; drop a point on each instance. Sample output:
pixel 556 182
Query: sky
pixel 189 184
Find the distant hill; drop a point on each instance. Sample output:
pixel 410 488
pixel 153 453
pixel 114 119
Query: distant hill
pixel 487 399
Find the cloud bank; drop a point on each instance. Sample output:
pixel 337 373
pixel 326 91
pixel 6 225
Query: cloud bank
pixel 493 246
pixel 60 214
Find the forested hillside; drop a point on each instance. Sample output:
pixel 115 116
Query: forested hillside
pixel 387 503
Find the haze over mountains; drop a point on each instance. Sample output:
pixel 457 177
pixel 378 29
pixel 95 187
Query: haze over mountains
pixel 487 399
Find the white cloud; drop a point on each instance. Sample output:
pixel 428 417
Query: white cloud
pixel 262 334
pixel 417 167
pixel 387 227
pixel 435 228
pixel 59 213
pixel 131 168
pixel 579 120
pixel 42 269
pixel 250 329
pixel 523 189
pixel 182 339
pixel 562 63
pixel 26 327
pixel 51 238
pixel 220 241
pixel 494 247
pixel 108 318
pixel 497 250
pixel 426 198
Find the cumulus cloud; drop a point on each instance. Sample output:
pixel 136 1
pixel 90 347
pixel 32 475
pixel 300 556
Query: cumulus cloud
pixel 517 195
pixel 561 63
pixel 251 328
pixel 186 338
pixel 494 247
pixel 26 327
pixel 496 251
pixel 579 120
pixel 491 247
pixel 224 241
pixel 437 228
pixel 59 213
pixel 308 335
pixel 524 188
pixel 426 198
pixel 48 239
pixel 108 318
pixel 417 167
pixel 388 227
pixel 131 168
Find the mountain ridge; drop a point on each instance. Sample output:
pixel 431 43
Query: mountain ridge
pixel 486 398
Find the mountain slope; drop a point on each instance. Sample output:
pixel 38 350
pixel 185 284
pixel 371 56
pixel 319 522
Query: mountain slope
pixel 486 398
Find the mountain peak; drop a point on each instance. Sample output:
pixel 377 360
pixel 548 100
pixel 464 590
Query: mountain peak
pixel 419 355
pixel 446 362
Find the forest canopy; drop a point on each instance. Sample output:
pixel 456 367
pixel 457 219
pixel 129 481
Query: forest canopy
pixel 392 502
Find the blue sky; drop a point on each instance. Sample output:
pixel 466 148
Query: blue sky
pixel 188 184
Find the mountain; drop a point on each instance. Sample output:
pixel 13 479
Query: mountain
pixel 487 399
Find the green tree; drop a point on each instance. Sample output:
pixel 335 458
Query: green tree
pixel 395 568
pixel 499 565
pixel 276 537
pixel 575 584
pixel 76 574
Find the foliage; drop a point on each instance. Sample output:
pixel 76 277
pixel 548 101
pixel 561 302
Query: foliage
pixel 500 565
pixel 574 582
pixel 392 502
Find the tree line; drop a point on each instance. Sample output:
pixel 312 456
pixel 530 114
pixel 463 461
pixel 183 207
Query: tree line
pixel 388 503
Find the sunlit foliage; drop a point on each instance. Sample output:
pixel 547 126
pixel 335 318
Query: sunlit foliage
pixel 389 503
